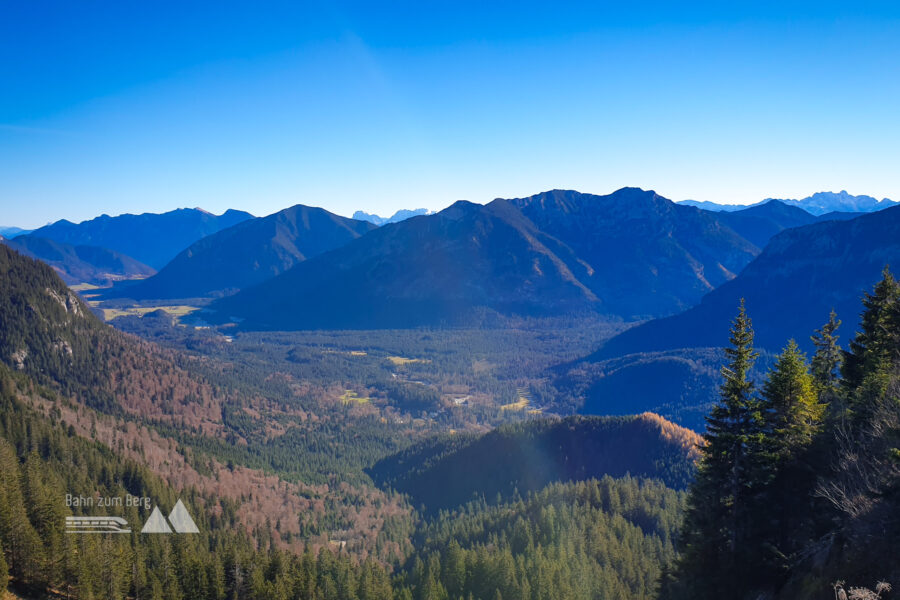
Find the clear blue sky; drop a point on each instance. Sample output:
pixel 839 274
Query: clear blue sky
pixel 134 106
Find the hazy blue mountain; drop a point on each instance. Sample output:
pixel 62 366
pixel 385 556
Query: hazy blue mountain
pixel 759 223
pixel 789 289
pixel 714 206
pixel 639 253
pixel 400 215
pixel 150 238
pixel 429 270
pixel 12 232
pixel 626 254
pixel 838 215
pixel 818 204
pixel 80 264
pixel 249 253
pixel 826 202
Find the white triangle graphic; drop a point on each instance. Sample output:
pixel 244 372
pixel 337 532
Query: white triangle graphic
pixel 181 521
pixel 156 523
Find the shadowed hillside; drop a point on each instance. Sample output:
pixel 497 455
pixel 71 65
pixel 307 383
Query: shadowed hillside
pixel 443 474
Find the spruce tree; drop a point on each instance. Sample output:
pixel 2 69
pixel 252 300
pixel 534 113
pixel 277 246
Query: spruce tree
pixel 877 345
pixel 791 402
pixel 718 536
pixel 826 362
pixel 794 414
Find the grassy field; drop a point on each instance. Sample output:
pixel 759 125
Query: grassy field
pixel 175 311
pixel 521 402
pixel 350 396
pixel 399 361
pixel 83 287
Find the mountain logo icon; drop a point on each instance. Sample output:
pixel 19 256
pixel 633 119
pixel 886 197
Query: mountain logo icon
pixel 179 518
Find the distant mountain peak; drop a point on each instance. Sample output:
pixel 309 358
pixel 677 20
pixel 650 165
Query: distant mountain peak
pixel 11 232
pixel 817 204
pixel 400 215
pixel 825 202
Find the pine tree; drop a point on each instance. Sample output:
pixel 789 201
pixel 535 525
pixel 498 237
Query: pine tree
pixel 826 362
pixel 794 413
pixel 873 350
pixel 791 402
pixel 717 535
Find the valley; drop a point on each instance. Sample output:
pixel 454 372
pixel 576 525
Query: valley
pixel 489 417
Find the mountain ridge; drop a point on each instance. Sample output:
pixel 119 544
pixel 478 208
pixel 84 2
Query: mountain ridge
pixel 400 215
pixel 248 253
pixel 817 204
pixel 150 238
pixel 81 264
pixel 527 256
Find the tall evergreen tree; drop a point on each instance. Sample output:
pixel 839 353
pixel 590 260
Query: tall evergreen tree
pixel 718 536
pixel 791 402
pixel 826 362
pixel 794 414
pixel 877 344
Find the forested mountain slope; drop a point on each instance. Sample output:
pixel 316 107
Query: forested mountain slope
pixel 70 422
pixel 49 333
pixel 155 406
pixel 444 474
pixel 42 460
pixel 593 539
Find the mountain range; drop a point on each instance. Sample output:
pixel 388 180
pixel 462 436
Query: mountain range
pixel 152 239
pixel 249 253
pixel 631 253
pixel 400 215
pixel 818 204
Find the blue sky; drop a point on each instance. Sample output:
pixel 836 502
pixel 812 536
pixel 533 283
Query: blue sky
pixel 147 106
